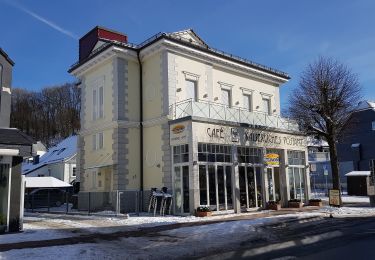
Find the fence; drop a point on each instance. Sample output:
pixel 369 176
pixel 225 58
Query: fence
pixel 217 111
pixel 59 201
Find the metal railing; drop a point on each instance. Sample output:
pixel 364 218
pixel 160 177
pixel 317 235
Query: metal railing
pixel 217 111
pixel 60 201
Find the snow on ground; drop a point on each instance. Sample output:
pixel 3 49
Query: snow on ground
pixel 42 226
pixel 358 206
pixel 349 211
pixel 351 199
pixel 187 241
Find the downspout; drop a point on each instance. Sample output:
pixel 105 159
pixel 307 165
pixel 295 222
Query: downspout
pixel 141 127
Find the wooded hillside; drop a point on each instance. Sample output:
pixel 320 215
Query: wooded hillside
pixel 49 115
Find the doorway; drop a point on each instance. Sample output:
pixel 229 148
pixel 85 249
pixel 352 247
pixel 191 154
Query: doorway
pixel 181 189
pixel 250 186
pixel 215 186
pixel 273 181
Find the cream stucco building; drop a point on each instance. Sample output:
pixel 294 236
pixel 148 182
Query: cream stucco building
pixel 174 112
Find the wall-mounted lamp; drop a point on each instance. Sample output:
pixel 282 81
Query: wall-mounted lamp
pixel 178 90
pixel 237 103
pixel 307 166
pixel 257 107
pixel 216 99
pixel 158 165
pixel 287 165
pixel 205 95
pixel 274 110
pixel 235 163
pixel 195 162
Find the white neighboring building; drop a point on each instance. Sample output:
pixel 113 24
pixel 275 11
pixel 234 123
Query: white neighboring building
pixel 39 149
pixel 58 162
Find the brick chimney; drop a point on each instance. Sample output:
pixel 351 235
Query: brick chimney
pixel 88 41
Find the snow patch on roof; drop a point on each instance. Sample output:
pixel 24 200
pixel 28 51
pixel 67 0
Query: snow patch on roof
pixel 363 105
pixel 64 150
pixel 312 141
pixel 358 173
pixel 45 182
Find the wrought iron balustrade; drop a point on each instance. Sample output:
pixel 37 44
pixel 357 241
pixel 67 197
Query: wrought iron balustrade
pixel 217 111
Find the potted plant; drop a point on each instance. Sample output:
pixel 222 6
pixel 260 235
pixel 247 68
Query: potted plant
pixel 315 202
pixel 203 211
pixel 295 203
pixel 3 226
pixel 273 205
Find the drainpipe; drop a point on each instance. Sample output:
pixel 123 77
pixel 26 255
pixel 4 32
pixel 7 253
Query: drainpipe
pixel 141 127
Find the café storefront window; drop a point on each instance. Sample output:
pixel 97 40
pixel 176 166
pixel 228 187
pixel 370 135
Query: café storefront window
pixel 250 177
pixel 215 176
pixel 296 174
pixel 181 178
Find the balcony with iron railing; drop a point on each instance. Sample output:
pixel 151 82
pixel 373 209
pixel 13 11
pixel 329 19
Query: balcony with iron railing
pixel 210 110
pixel 319 157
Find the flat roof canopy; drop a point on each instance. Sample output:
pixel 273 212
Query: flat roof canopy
pixel 45 182
pixel 358 173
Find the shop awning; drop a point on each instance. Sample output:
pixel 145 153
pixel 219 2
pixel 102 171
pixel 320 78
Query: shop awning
pixel 45 182
pixel 358 173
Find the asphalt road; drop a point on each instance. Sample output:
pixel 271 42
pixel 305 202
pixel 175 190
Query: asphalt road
pixel 324 238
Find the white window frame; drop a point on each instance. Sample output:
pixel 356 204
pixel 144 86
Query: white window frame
pixel 229 91
pixel 266 96
pixel 189 76
pixel 195 98
pixel 97 141
pixel 227 87
pixel 247 93
pixel 94 176
pixel 98 99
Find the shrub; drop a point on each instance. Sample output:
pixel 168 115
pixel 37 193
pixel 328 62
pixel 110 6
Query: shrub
pixel 315 200
pixel 203 209
pixel 295 200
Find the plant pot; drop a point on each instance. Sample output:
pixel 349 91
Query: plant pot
pixel 202 214
pixel 2 229
pixel 294 204
pixel 315 203
pixel 274 206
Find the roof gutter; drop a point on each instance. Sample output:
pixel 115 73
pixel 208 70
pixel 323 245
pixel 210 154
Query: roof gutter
pixel 141 124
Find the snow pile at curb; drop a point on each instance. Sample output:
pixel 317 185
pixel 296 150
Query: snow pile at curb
pixel 348 211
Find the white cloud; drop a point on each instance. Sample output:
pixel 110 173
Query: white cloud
pixel 41 19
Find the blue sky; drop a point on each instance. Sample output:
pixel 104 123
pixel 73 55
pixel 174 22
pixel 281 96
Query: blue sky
pixel 41 36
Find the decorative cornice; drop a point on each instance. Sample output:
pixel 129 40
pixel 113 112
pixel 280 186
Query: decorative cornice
pixel 210 58
pixel 104 56
pixel 156 121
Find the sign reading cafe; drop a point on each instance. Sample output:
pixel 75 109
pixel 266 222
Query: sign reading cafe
pixel 225 134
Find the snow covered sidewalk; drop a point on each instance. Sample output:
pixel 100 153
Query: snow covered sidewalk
pixel 353 206
pixel 137 237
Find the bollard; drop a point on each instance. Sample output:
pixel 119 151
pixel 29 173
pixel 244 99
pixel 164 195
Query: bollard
pixel 88 210
pixel 137 202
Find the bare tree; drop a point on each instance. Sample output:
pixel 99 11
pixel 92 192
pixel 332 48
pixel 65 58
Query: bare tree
pixel 49 115
pixel 328 92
